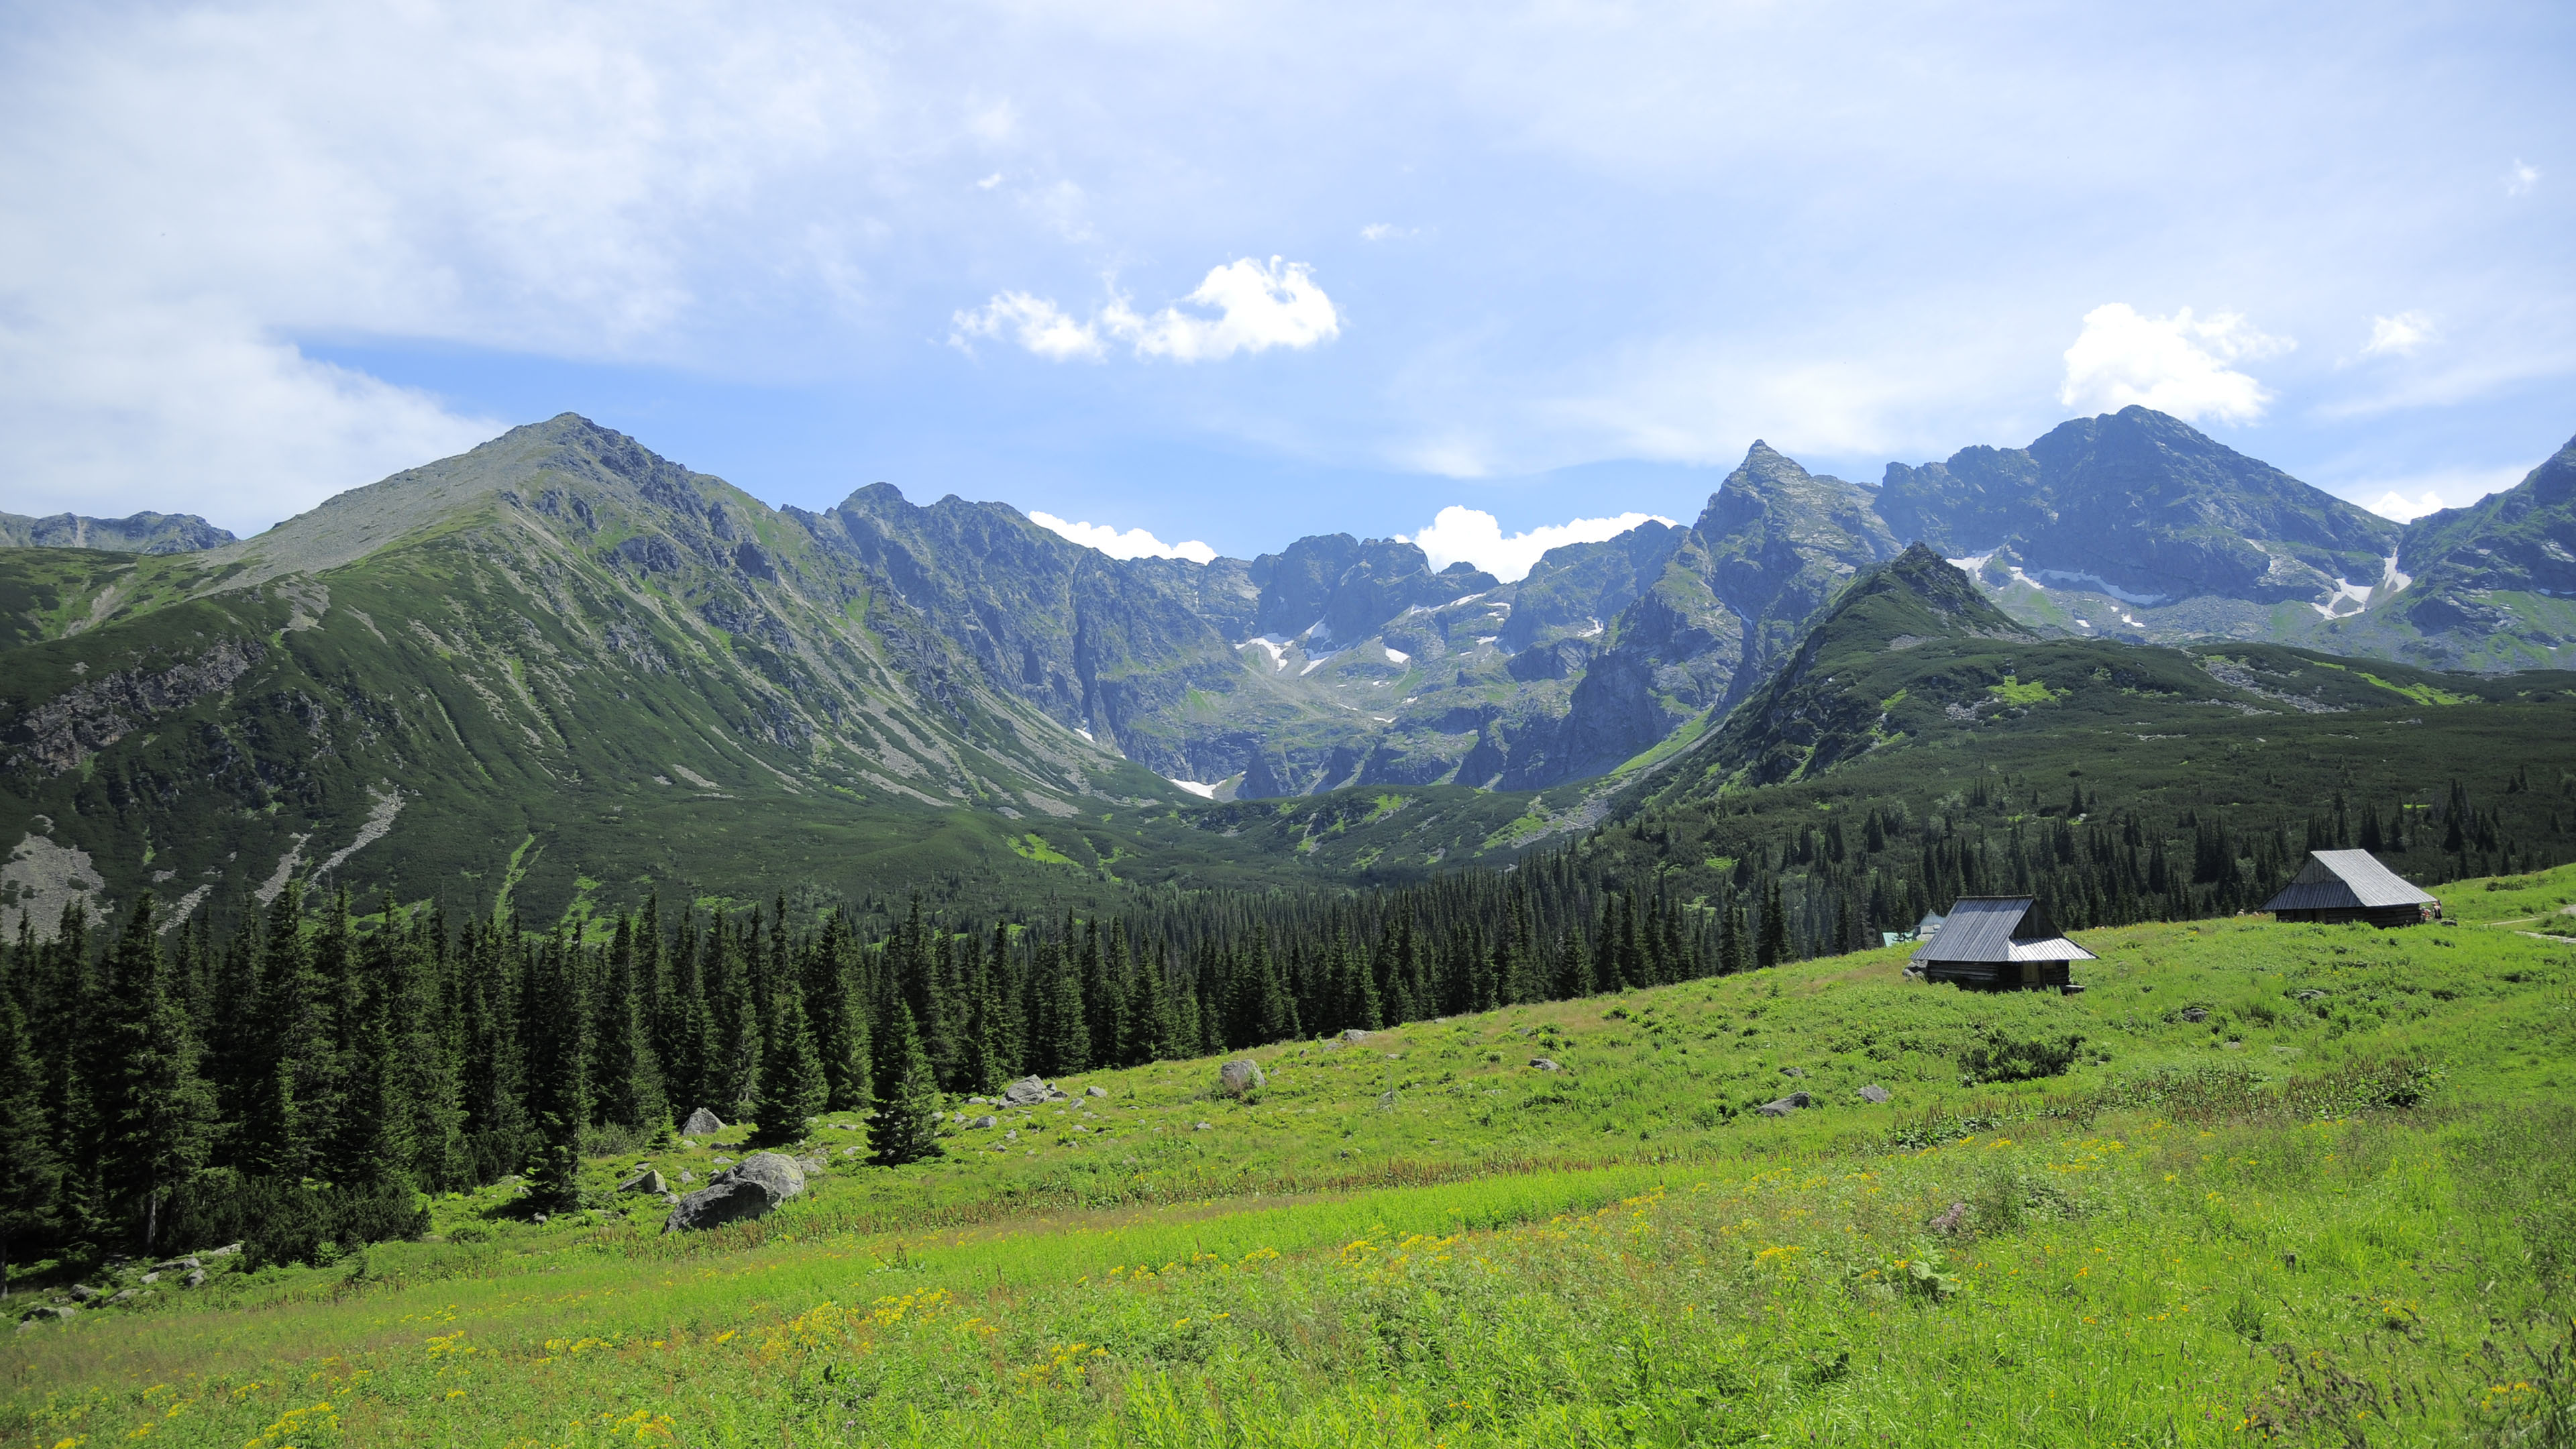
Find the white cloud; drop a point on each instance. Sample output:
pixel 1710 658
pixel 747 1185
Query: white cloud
pixel 2397 336
pixel 989 182
pixel 1134 543
pixel 1257 308
pixel 1477 537
pixel 2407 499
pixel 1381 231
pixel 1034 322
pixel 2520 180
pixel 2174 364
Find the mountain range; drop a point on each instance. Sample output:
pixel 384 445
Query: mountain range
pixel 564 667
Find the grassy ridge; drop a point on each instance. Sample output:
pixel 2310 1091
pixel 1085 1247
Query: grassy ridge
pixel 2222 1219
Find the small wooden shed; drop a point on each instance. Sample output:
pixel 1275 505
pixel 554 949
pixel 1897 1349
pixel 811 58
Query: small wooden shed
pixel 2351 885
pixel 1997 943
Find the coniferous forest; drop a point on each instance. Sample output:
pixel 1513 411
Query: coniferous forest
pixel 298 1075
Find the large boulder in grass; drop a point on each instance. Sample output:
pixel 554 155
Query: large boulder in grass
pixel 748 1189
pixel 1028 1092
pixel 644 1179
pixel 702 1123
pixel 1240 1076
pixel 1786 1105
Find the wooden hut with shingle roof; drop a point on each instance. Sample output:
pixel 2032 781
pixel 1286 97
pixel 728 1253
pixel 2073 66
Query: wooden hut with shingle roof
pixel 1998 943
pixel 2351 885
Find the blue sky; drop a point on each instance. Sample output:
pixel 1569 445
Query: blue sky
pixel 1237 273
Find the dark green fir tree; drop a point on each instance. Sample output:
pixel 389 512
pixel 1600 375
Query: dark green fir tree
pixel 907 1124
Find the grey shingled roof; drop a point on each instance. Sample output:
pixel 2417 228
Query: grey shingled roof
pixel 1981 928
pixel 2344 879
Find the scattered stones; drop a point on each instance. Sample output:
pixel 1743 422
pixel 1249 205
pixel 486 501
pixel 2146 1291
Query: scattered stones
pixel 172 1263
pixel 723 1161
pixel 1240 1076
pixel 541 1217
pixel 152 1277
pixel 1204 1127
pixel 83 1293
pixel 226 1251
pixel 126 1295
pixel 1546 1064
pixel 702 1123
pixel 1353 1034
pixel 2310 995
pixel 1793 1071
pixel 987 1120
pixel 1952 1221
pixel 1874 1094
pixel 851 1151
pixel 2194 1014
pixel 1786 1105
pixel 687 1176
pixel 1095 1091
pixel 49 1313
pixel 1386 1100
pixel 1011 1136
pixel 646 1180
pixel 196 1278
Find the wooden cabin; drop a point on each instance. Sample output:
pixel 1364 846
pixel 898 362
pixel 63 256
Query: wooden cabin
pixel 2351 885
pixel 1998 943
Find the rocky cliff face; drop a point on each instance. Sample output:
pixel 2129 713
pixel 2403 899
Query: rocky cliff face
pixel 2492 585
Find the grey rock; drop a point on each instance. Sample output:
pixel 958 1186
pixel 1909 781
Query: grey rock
pixel 1786 1105
pixel 541 1217
pixel 1951 1221
pixel 647 1180
pixel 196 1278
pixel 1203 1127
pixel 1354 1034
pixel 687 1176
pixel 722 1161
pixel 1011 1136
pixel 987 1120
pixel 750 1190
pixel 2310 995
pixel 83 1293
pixel 1546 1064
pixel 1240 1076
pixel 1095 1091
pixel 702 1123
pixel 814 1162
pixel 226 1251
pixel 49 1313
pixel 2194 1014
pixel 152 1277
pixel 1027 1091
pixel 1793 1071
pixel 1386 1099
pixel 852 1151
pixel 1873 1094
pixel 168 1264
pixel 126 1295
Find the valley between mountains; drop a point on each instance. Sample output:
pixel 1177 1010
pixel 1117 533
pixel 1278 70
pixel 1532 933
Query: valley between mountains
pixel 560 672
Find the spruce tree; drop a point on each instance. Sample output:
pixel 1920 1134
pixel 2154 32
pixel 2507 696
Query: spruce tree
pixel 839 1016
pixel 1774 947
pixel 558 1075
pixel 1068 1029
pixel 792 1087
pixel 33 1182
pixel 153 1109
pixel 284 1131
pixel 907 1124
pixel 629 1085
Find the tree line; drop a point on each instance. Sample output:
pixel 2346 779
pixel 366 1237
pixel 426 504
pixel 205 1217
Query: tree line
pixel 299 1080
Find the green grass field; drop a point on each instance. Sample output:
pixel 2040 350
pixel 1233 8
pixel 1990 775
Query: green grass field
pixel 2310 1184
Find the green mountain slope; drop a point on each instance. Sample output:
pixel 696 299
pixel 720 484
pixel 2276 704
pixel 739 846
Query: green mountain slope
pixel 554 666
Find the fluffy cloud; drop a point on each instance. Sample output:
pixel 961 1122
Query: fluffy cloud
pixel 2407 499
pixel 2174 364
pixel 1256 308
pixel 1034 322
pixel 2397 336
pixel 1134 543
pixel 1477 537
pixel 2520 180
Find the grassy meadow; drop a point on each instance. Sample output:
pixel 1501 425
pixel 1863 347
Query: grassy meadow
pixel 2294 1183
